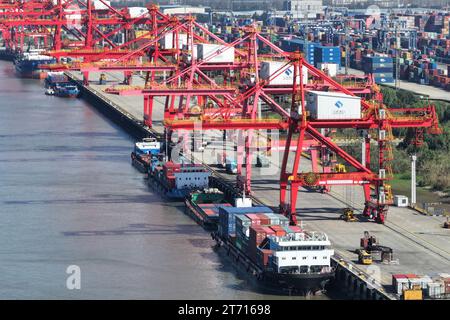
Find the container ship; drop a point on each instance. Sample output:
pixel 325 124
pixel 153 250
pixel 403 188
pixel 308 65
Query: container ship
pixel 27 64
pixel 7 54
pixel 178 180
pixel 281 256
pixel 145 154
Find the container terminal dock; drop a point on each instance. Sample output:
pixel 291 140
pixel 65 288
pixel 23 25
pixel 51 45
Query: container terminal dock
pixel 166 77
pixel 420 243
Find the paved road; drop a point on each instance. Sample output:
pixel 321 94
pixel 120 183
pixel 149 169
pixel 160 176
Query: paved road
pixel 432 92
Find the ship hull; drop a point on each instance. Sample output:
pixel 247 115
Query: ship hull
pixel 7 55
pixel 139 164
pixel 66 95
pixel 305 284
pixel 206 222
pixel 29 68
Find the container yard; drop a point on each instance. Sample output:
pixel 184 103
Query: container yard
pixel 243 124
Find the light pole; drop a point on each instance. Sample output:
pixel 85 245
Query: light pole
pixel 413 179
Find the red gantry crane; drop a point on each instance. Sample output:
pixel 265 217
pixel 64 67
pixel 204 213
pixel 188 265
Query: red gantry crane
pixel 227 94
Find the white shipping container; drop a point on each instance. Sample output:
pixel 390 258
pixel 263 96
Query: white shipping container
pixel 98 5
pixel 425 280
pixel 136 12
pixel 207 51
pixel 188 57
pixel 243 202
pixel 401 201
pixel 401 284
pixel 435 289
pixel 331 68
pixel 333 105
pixel 166 42
pixel 414 282
pixel 269 68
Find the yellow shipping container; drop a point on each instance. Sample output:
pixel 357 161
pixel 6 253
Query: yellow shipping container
pixel 412 295
pixel 140 33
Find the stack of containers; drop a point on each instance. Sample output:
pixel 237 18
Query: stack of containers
pixel 291 229
pixel 425 281
pixel 327 57
pixel 355 58
pixel 381 67
pixel 436 288
pixel 414 281
pixel 400 282
pixel 252 228
pixel 257 235
pixel 227 217
pixel 262 256
pixel 445 277
pixel 279 230
pixel 243 224
pixel 326 54
pixel 306 47
pixel 278 219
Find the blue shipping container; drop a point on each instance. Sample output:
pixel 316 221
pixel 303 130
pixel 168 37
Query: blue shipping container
pixel 327 54
pixel 377 59
pixel 384 80
pixel 379 70
pixel 227 216
pixel 301 45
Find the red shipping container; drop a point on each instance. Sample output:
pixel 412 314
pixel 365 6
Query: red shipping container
pixel 364 242
pixel 209 212
pixel 446 282
pixel 279 231
pixel 254 218
pixel 397 276
pixel 257 233
pixel 263 256
pixel 268 231
pixel 265 220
